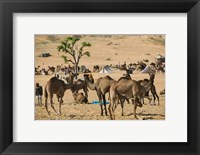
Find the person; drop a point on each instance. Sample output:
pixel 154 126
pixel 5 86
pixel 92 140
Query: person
pixel 38 93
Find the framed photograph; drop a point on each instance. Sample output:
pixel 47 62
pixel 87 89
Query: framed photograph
pixel 79 76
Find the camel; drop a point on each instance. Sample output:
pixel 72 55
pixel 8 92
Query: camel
pixel 36 70
pixel 101 86
pixel 96 68
pixel 162 92
pixel 51 69
pixel 80 98
pixel 123 67
pixel 77 85
pixel 58 87
pixel 153 91
pixel 43 72
pixel 70 78
pixel 143 83
pixel 129 89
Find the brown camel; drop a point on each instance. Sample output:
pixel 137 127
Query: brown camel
pixel 102 86
pixel 162 92
pixel 77 85
pixel 36 69
pixel 129 89
pixel 51 69
pixel 80 98
pixel 153 91
pixel 96 68
pixel 58 87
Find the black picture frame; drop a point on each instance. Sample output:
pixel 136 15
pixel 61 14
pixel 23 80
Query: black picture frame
pixel 8 7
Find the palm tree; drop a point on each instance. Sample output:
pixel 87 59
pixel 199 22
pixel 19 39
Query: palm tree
pixel 69 47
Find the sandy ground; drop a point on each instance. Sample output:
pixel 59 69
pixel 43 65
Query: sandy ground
pixel 123 48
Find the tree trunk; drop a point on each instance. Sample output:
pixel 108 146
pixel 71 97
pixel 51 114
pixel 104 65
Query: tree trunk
pixel 76 67
pixel 76 70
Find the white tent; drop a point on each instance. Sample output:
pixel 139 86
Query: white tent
pixel 106 69
pixel 147 69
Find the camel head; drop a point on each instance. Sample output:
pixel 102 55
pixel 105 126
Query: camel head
pixel 86 76
pixel 91 78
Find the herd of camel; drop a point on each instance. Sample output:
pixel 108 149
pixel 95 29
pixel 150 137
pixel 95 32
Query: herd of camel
pixel 123 89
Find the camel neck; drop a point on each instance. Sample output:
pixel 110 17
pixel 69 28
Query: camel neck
pixel 67 86
pixel 90 84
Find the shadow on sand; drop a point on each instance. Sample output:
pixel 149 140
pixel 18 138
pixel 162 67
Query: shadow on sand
pixel 148 116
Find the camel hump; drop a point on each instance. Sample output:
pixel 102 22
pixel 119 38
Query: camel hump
pixel 147 80
pixel 98 80
pixel 123 78
pixel 53 78
pixel 108 77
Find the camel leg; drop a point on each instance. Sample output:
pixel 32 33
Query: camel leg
pixel 128 101
pixel 86 92
pixel 154 99
pixel 110 107
pixel 114 105
pixel 155 95
pixel 46 106
pixel 104 101
pixel 111 110
pixel 52 106
pixel 122 106
pixel 60 103
pixel 149 98
pixel 100 101
pixel 59 98
pixel 158 99
pixel 133 102
pixel 135 107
